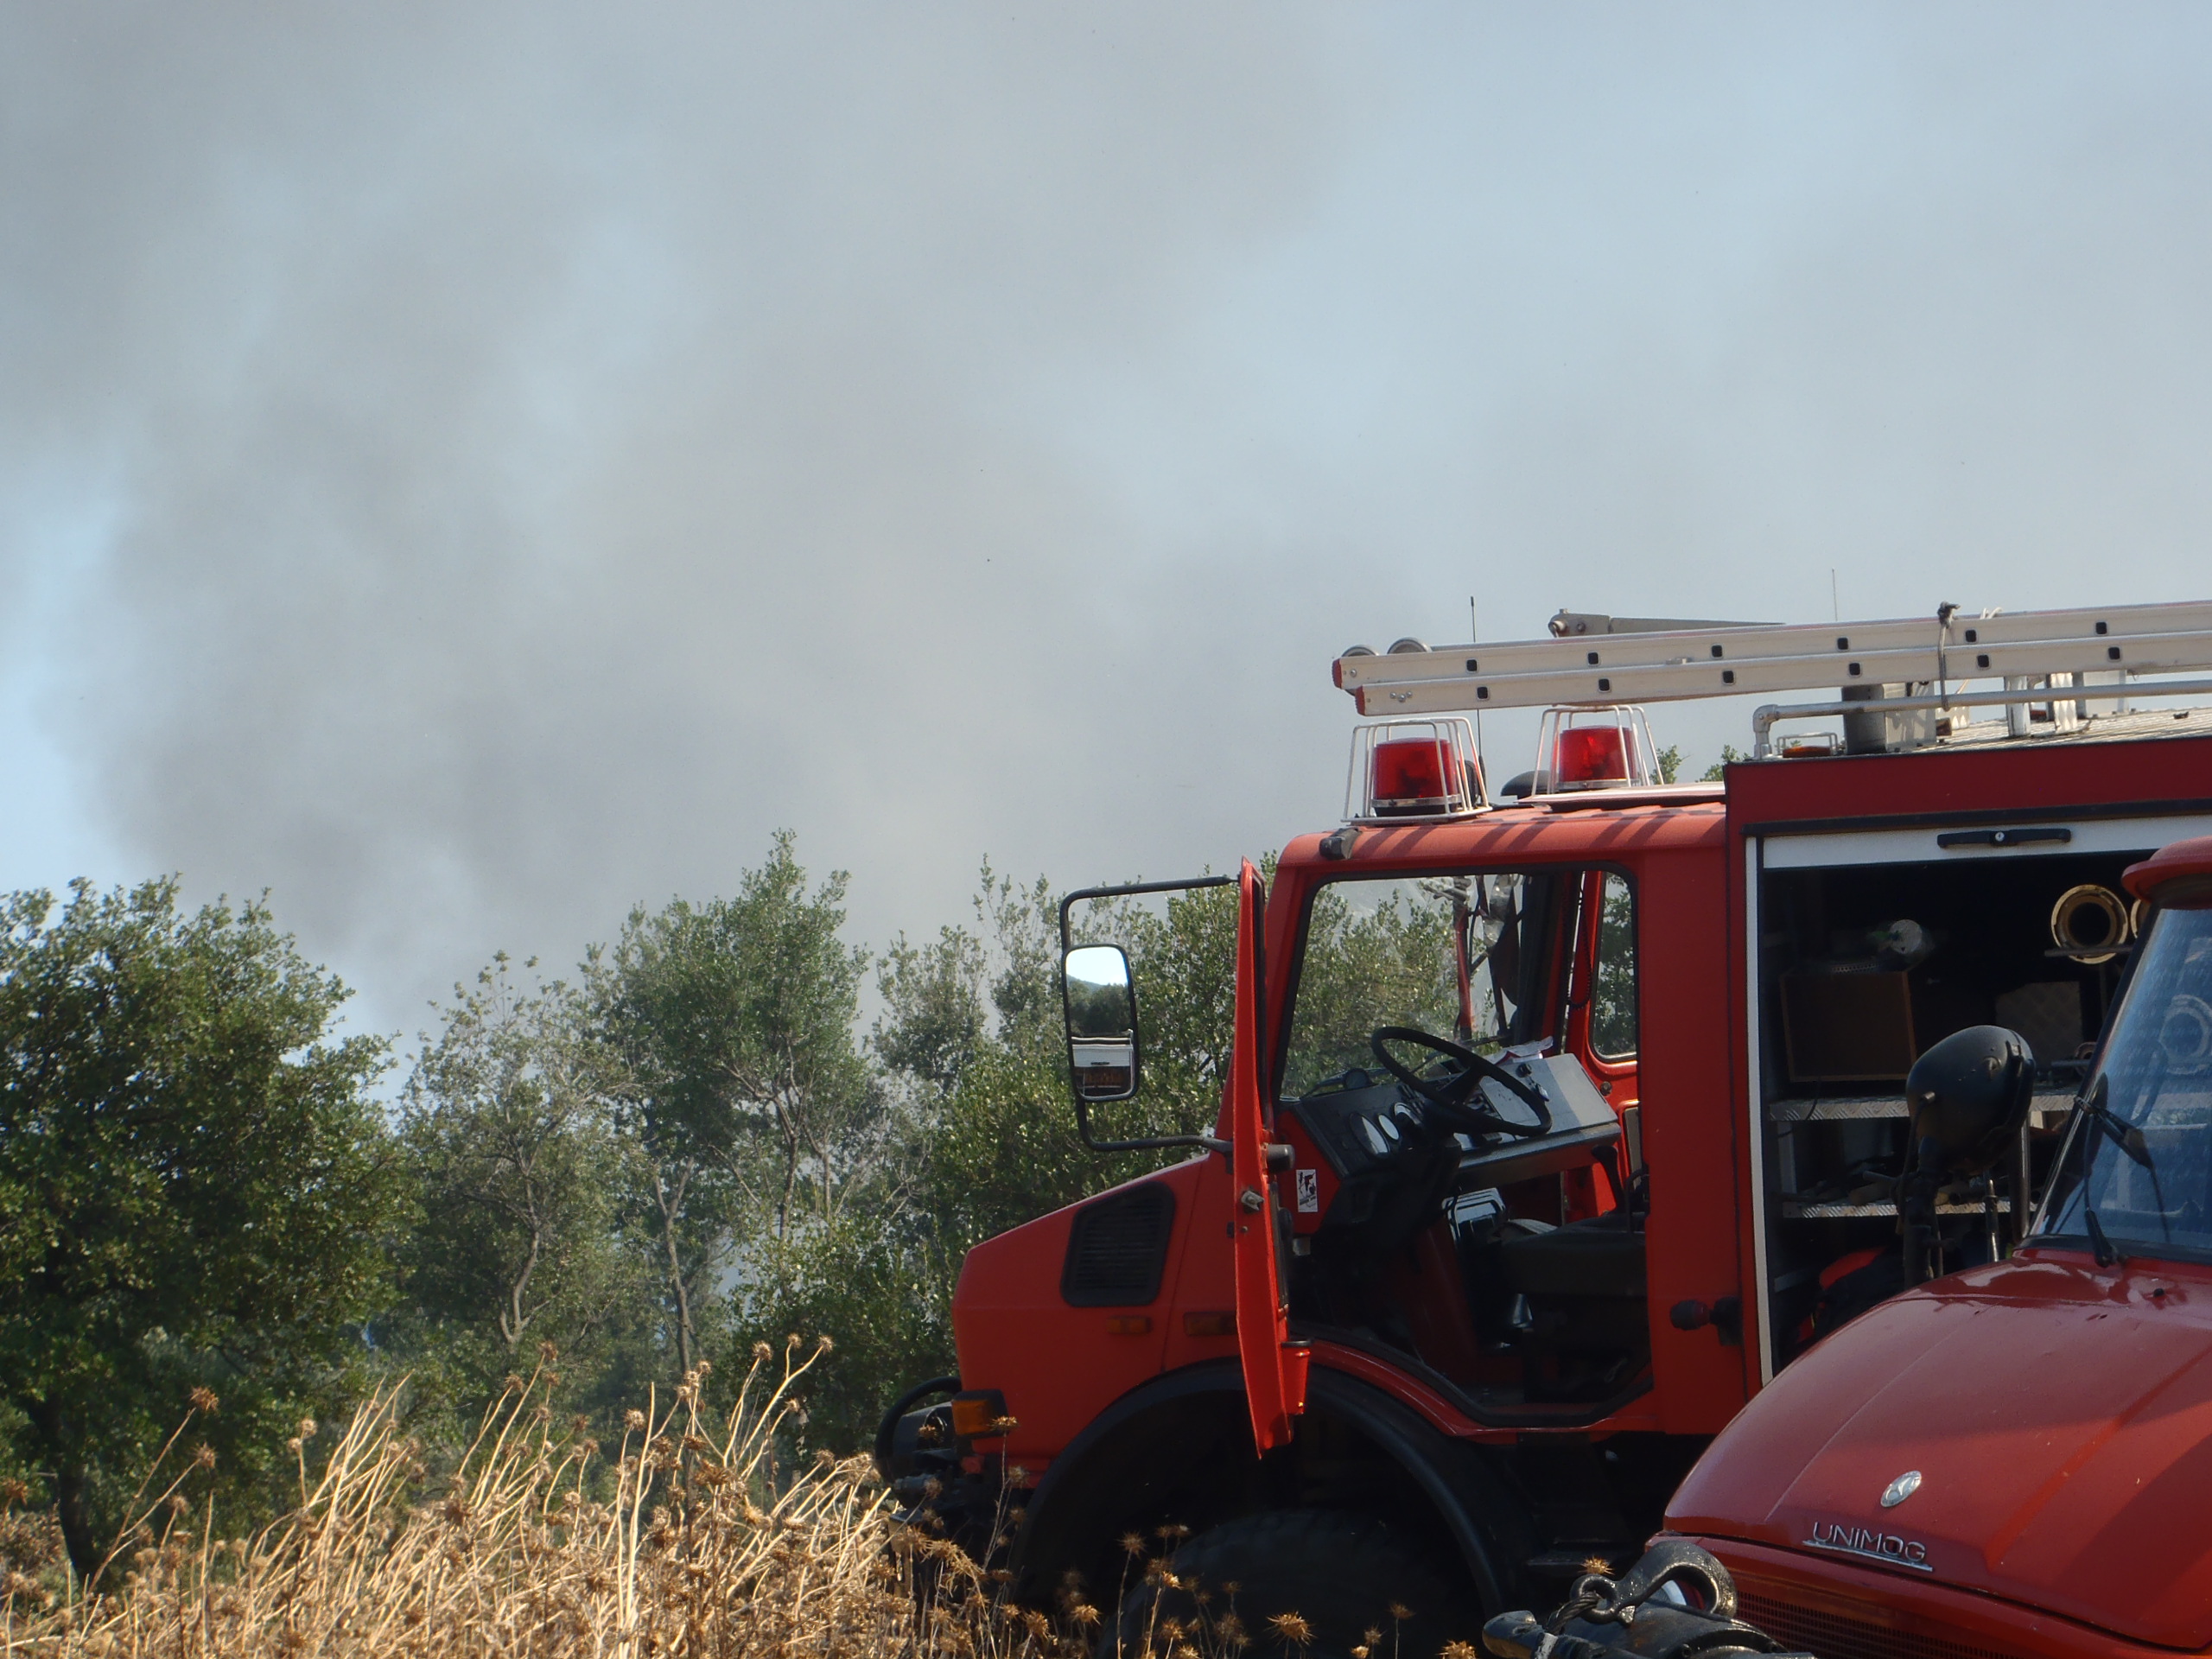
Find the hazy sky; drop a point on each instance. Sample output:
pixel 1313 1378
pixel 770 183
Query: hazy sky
pixel 469 467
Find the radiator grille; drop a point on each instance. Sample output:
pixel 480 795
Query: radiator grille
pixel 1118 1247
pixel 1839 1636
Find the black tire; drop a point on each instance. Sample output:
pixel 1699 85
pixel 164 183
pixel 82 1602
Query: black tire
pixel 1340 1573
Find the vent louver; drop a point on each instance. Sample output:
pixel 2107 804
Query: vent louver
pixel 1118 1247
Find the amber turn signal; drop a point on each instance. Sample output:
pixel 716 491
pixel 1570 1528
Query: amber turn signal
pixel 1209 1324
pixel 1128 1325
pixel 977 1414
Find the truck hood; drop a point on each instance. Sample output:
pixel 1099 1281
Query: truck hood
pixel 2060 1420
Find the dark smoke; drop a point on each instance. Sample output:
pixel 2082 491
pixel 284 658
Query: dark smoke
pixel 468 468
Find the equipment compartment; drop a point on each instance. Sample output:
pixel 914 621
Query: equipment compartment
pixel 1861 968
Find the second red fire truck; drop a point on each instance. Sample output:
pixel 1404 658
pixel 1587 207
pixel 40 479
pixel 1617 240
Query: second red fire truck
pixel 1481 1252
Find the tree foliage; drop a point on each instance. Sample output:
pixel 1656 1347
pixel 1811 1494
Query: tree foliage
pixel 195 1188
pixel 690 1150
pixel 731 1025
pixel 522 1181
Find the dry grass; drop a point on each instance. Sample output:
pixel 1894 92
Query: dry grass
pixel 687 1540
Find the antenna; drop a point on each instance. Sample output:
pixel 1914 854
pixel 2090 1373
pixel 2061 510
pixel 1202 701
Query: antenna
pixel 1475 637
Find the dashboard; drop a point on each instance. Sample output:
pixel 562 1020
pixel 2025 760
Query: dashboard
pixel 1365 1125
pixel 1369 1129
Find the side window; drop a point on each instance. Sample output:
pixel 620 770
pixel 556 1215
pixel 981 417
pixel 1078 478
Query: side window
pixel 1612 999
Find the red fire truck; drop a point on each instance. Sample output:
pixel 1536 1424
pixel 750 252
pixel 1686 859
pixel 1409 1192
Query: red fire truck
pixel 1478 1258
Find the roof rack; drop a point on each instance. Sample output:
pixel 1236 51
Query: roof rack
pixel 1600 659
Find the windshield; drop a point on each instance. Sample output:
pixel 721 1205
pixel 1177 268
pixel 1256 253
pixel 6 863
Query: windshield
pixel 1461 957
pixel 2145 1170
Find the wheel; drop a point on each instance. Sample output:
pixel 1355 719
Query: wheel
pixel 1340 1575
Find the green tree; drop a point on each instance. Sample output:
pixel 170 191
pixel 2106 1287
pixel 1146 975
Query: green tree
pixel 867 1280
pixel 195 1187
pixel 731 1023
pixel 520 1171
pixel 937 1015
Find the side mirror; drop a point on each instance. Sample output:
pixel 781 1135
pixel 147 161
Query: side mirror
pixel 1102 1016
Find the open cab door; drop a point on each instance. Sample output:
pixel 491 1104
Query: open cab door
pixel 1275 1369
pixel 1103 1064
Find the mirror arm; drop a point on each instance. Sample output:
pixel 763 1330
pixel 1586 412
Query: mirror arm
pixel 1067 938
pixel 1210 1143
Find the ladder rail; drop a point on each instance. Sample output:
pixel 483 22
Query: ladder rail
pixel 1722 662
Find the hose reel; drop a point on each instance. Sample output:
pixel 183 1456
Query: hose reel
pixel 2091 923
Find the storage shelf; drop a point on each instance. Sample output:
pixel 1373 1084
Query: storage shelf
pixel 2050 1107
pixel 1795 1212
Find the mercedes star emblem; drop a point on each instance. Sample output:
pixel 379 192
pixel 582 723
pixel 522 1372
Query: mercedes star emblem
pixel 1900 1489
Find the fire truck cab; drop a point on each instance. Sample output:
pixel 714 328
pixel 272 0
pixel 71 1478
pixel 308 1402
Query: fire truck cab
pixel 1484 1249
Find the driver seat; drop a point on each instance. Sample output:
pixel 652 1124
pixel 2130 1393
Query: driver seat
pixel 1589 1331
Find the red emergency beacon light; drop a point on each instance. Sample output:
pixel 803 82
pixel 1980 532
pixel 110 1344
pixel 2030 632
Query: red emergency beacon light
pixel 1596 749
pixel 1592 754
pixel 1414 769
pixel 1410 775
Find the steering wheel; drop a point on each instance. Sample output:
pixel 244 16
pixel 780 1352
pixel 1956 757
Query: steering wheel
pixel 1450 1096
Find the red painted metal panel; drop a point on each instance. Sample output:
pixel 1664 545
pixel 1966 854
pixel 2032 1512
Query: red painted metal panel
pixel 1275 1377
pixel 2060 1416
